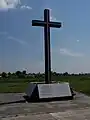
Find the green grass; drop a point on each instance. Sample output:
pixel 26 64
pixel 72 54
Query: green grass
pixel 12 87
pixel 79 83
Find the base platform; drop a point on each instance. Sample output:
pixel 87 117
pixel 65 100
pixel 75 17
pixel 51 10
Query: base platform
pixel 48 92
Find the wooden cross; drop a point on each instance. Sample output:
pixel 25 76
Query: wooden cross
pixel 47 24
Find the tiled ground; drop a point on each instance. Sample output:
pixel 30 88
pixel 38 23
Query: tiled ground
pixel 60 110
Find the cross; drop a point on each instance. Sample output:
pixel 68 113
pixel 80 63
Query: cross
pixel 47 24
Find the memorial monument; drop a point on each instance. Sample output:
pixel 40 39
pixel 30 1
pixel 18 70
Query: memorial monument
pixel 48 90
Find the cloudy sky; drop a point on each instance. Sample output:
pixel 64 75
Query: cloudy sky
pixel 22 46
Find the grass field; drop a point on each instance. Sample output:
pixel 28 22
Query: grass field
pixel 79 83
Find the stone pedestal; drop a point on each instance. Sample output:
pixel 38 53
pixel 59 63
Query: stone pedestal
pixel 48 92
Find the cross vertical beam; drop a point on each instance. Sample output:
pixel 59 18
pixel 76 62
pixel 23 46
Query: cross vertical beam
pixel 47 24
pixel 47 48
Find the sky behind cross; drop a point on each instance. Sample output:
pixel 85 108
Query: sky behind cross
pixel 22 46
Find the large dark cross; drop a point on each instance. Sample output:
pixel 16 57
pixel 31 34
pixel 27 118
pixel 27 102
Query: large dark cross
pixel 47 24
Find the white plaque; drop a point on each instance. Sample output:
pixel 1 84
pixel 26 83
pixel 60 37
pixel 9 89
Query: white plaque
pixel 54 90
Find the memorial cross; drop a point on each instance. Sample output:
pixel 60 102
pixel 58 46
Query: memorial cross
pixel 47 24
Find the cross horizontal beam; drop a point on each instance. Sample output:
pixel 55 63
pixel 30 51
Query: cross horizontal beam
pixel 43 23
pixel 55 24
pixel 38 23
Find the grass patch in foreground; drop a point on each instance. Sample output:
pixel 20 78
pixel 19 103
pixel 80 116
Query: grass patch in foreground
pixel 13 87
pixel 79 83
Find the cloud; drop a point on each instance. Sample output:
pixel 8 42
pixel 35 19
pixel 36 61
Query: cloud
pixel 26 7
pixel 12 4
pixel 18 40
pixel 52 18
pixel 3 33
pixel 9 4
pixel 67 52
pixel 78 40
pixel 13 38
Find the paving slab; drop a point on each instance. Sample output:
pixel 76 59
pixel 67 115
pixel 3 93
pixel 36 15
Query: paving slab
pixel 56 110
pixel 11 97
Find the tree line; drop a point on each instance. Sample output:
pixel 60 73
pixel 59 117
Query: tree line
pixel 23 74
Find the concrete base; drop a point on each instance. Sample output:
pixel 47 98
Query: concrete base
pixel 48 92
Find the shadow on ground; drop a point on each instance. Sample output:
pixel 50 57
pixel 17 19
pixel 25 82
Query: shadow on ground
pixel 20 101
pixel 33 100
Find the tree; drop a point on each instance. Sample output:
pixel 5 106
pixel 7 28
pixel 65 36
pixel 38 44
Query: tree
pixel 65 74
pixel 4 75
pixel 9 74
pixel 18 73
pixel 24 72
